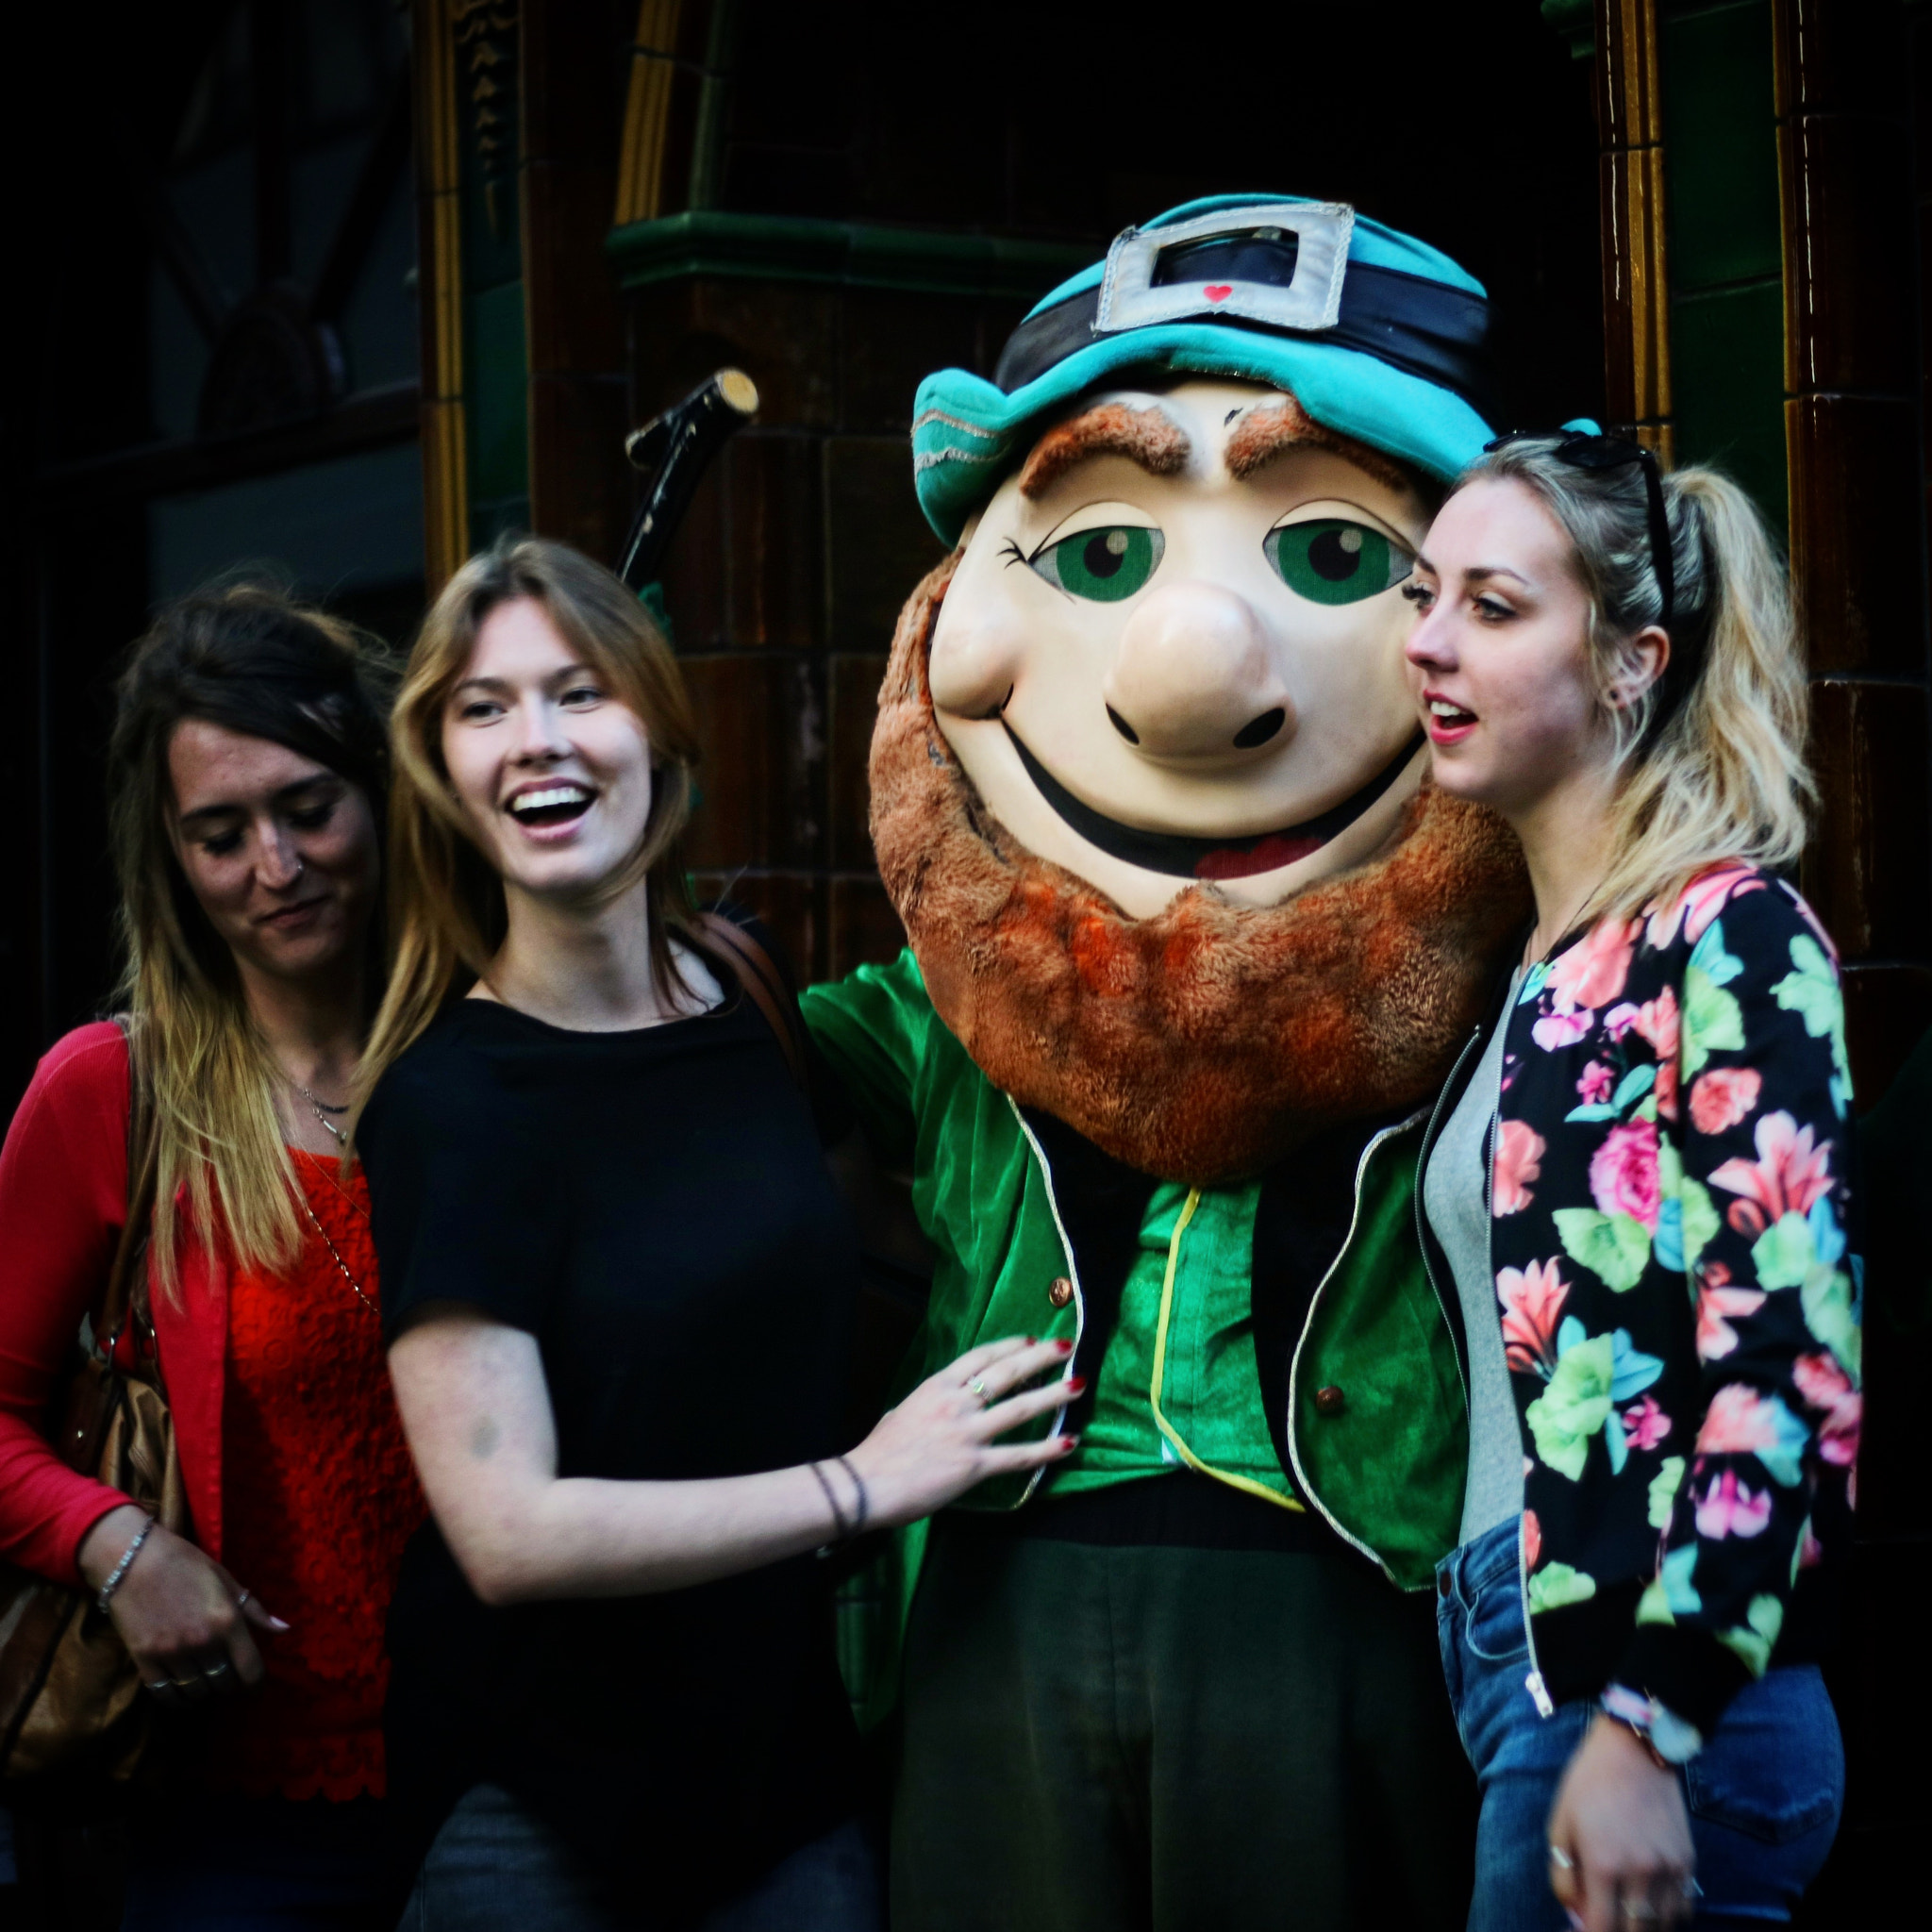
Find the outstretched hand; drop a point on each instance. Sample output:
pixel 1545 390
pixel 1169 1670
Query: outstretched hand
pixel 944 1437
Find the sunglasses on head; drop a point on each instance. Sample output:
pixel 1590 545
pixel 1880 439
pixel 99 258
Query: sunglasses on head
pixel 1583 450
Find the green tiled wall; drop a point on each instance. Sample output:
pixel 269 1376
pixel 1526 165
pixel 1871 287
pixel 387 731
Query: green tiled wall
pixel 1726 246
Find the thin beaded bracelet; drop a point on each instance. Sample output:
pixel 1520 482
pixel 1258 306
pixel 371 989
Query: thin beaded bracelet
pixel 120 1569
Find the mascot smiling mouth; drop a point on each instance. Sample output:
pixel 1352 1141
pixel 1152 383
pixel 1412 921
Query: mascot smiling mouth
pixel 1181 856
pixel 1204 1044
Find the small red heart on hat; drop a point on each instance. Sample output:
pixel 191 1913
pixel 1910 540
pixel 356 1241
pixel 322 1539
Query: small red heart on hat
pixel 1218 291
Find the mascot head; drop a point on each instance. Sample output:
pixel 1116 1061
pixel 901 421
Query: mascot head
pixel 1148 776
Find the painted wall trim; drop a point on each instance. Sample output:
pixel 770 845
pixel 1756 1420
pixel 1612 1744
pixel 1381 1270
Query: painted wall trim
pixel 936 261
pixel 445 463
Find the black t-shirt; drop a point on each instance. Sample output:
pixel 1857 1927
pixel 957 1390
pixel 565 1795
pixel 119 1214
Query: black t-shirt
pixel 653 1207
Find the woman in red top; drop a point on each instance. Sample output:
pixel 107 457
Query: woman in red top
pixel 248 770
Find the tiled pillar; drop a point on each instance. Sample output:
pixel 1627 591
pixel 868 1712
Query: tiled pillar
pixel 1630 129
pixel 1854 422
pixel 1852 418
pixel 786 580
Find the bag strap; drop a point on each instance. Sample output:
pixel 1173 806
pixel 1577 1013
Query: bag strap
pixel 126 1291
pixel 758 972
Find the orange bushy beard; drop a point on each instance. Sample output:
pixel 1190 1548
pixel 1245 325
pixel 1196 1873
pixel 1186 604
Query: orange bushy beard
pixel 1203 1044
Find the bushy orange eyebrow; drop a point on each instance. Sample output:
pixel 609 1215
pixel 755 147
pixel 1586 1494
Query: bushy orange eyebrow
pixel 1149 437
pixel 1264 433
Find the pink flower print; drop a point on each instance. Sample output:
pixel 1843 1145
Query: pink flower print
pixel 1532 1302
pixel 1723 1097
pixel 1715 1305
pixel 1620 1020
pixel 1555 1030
pixel 1728 1507
pixel 1666 1089
pixel 1790 1174
pixel 1532 1539
pixel 1657 1021
pixel 1592 972
pixel 1646 1425
pixel 1699 903
pixel 1739 1422
pixel 1624 1176
pixel 1596 1085
pixel 1810 1551
pixel 1827 1387
pixel 1518 1161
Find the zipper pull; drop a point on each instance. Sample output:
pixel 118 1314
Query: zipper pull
pixel 1540 1694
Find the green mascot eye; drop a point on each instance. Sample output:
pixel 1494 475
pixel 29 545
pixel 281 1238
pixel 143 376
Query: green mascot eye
pixel 1331 561
pixel 1105 564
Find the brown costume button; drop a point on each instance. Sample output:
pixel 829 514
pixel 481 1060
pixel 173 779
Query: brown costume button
pixel 1330 1401
pixel 1062 1292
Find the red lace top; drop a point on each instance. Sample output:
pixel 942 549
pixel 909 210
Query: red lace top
pixel 319 1498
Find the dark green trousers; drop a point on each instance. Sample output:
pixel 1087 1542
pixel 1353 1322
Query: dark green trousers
pixel 1181 1740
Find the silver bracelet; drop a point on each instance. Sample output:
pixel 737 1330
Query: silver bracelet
pixel 120 1569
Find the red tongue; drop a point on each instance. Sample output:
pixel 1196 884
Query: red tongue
pixel 1270 855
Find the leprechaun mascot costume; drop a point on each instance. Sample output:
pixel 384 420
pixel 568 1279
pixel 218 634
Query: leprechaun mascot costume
pixel 1192 947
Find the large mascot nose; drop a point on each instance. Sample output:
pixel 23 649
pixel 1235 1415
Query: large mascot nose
pixel 1196 676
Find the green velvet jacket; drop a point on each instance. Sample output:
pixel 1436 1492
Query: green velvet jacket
pixel 1384 1464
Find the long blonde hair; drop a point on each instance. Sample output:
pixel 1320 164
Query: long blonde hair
pixel 247 658
pixel 1711 757
pixel 447 912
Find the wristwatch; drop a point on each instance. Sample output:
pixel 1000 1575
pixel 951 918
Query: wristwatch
pixel 1671 1741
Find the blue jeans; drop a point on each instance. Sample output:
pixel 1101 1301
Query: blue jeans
pixel 494 1868
pixel 217 1863
pixel 1764 1793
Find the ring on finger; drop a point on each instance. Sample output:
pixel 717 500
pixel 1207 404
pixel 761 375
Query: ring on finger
pixel 184 1683
pixel 1561 1859
pixel 977 1386
pixel 215 1672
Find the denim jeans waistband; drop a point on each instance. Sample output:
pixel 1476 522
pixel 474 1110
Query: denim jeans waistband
pixel 1480 1561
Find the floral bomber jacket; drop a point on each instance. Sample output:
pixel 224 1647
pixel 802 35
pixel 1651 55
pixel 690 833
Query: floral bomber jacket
pixel 1679 1305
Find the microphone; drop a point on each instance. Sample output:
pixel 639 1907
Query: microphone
pixel 673 449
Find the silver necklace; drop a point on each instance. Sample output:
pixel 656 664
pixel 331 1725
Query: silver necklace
pixel 322 1109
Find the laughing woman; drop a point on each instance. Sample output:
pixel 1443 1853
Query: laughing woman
pixel 619 1285
pixel 1636 1187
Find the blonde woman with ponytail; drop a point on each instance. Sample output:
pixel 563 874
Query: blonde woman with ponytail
pixel 247 775
pixel 1635 1190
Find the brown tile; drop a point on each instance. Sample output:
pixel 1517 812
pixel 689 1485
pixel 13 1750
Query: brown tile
pixel 695 569
pixel 1887 1010
pixel 1866 869
pixel 1847 56
pixel 864 929
pixel 1856 533
pixel 890 343
pixel 879 543
pixel 1631 212
pixel 575 313
pixel 784 336
pixel 580 485
pixel 853 708
pixel 1849 283
pixel 790 904
pixel 762 728
pixel 775 542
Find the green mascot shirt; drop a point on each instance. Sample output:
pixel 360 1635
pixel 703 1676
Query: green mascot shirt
pixel 1382 1461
